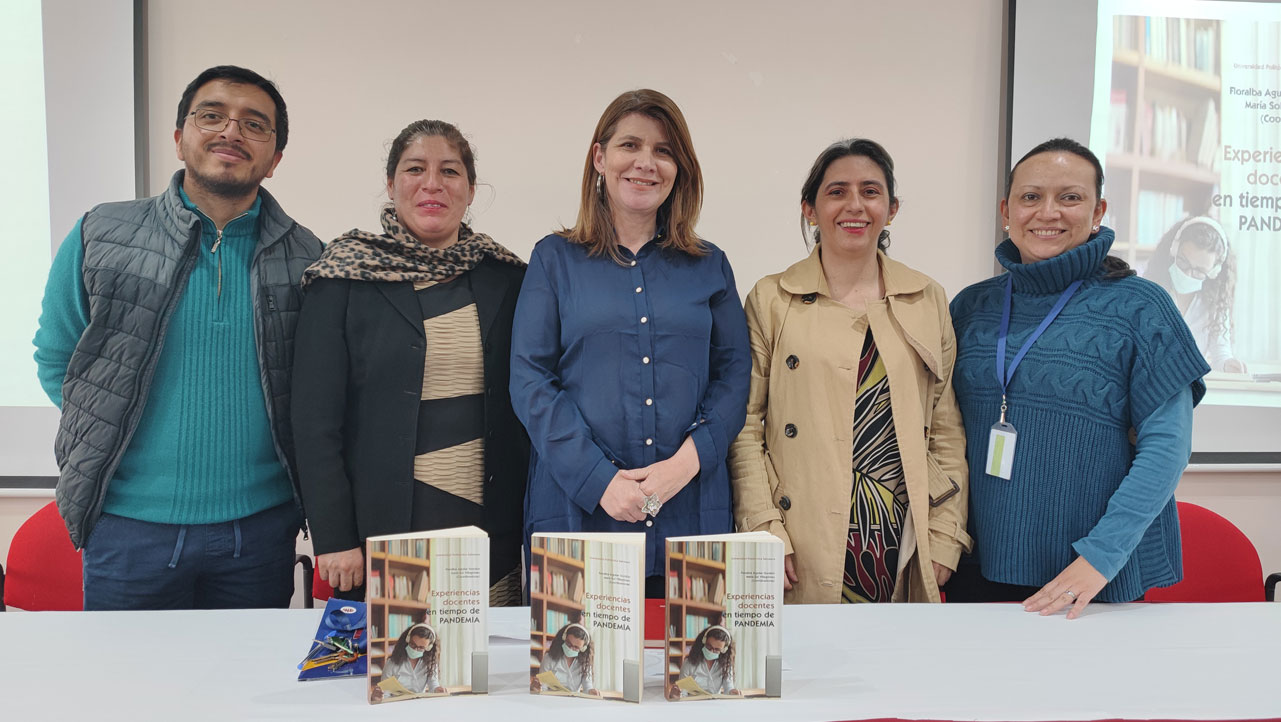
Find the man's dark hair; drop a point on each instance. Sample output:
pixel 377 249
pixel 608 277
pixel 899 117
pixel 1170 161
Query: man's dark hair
pixel 233 74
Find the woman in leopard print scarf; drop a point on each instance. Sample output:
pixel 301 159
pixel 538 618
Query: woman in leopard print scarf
pixel 398 255
pixel 401 413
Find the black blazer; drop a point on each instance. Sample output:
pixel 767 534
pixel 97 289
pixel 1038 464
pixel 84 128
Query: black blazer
pixel 358 379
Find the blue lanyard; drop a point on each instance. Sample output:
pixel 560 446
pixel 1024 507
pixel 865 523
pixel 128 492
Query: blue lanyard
pixel 1002 375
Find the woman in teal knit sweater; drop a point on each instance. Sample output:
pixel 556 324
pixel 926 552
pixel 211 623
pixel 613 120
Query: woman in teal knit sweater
pixel 1076 380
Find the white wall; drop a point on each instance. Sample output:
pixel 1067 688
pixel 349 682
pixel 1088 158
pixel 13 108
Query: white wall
pixel 764 85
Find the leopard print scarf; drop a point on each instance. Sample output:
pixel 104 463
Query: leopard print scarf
pixel 398 256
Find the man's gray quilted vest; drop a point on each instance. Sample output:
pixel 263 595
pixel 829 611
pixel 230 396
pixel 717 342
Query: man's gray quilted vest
pixel 137 258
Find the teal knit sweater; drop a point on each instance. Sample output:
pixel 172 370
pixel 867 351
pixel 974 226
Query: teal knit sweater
pixel 202 452
pixel 1118 360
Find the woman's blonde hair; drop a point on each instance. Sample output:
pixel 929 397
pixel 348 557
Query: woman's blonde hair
pixel 678 214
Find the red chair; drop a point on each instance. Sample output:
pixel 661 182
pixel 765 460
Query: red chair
pixel 1219 562
pixel 320 588
pixel 43 572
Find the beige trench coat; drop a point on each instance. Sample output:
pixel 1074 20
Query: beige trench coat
pixel 791 465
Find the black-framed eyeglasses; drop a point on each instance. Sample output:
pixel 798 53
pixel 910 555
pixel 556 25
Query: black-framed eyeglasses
pixel 215 122
pixel 1193 271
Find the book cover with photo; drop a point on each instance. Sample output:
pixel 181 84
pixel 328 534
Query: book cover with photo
pixel 1191 137
pixel 427 595
pixel 586 606
pixel 724 617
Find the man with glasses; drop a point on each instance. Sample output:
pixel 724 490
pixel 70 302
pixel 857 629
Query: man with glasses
pixel 166 337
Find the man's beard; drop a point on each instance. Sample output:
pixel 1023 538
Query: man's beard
pixel 224 187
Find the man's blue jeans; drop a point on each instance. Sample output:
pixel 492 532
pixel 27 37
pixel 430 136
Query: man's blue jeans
pixel 241 564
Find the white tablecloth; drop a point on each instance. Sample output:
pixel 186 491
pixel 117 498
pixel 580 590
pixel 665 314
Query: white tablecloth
pixel 1194 661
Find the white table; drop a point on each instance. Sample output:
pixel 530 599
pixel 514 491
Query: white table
pixel 1194 661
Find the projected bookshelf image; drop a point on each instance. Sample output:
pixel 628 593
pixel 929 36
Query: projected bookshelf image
pixel 695 597
pixel 1164 128
pixel 399 589
pixel 555 591
pixel 1194 183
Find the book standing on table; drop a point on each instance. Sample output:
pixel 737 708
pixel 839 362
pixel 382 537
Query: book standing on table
pixel 724 616
pixel 428 609
pixel 586 615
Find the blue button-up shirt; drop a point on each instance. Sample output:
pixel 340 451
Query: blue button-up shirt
pixel 613 366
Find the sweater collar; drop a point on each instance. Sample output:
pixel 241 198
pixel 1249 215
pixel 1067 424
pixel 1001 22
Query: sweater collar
pixel 242 225
pixel 1054 274
pixel 806 276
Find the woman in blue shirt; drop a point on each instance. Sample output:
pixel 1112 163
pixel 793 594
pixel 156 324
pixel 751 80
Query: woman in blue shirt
pixel 630 361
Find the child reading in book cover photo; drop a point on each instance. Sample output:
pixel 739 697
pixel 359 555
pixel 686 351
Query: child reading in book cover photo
pixel 1195 263
pixel 567 663
pixel 413 667
pixel 709 664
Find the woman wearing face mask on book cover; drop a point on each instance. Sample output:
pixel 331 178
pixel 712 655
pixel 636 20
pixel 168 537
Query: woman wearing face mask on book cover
pixel 710 663
pixel 569 656
pixel 414 662
pixel 1195 263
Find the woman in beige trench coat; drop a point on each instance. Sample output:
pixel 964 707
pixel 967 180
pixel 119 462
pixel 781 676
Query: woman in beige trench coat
pixel 870 504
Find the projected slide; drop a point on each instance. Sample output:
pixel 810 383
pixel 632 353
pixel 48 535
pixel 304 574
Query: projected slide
pixel 1190 119
pixel 24 200
pixel 69 144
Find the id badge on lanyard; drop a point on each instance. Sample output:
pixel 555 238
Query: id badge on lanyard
pixel 1003 437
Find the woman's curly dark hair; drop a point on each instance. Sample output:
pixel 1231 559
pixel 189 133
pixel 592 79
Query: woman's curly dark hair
pixel 1219 291
pixel 726 660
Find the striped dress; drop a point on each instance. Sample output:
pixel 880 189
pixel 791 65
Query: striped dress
pixel 449 460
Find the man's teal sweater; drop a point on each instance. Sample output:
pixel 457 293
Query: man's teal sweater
pixel 202 452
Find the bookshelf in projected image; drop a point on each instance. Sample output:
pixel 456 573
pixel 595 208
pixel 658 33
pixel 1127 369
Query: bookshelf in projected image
pixel 1164 139
pixel 695 597
pixel 555 591
pixel 399 586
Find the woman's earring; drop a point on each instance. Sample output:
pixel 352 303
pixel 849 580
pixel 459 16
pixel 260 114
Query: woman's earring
pixel 1096 229
pixel 1007 229
pixel 600 184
